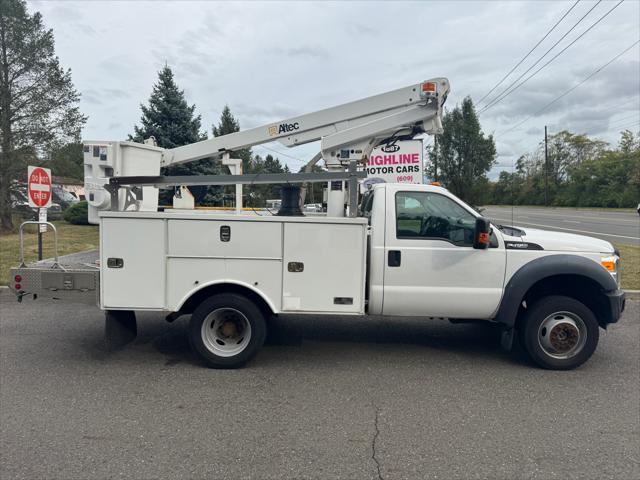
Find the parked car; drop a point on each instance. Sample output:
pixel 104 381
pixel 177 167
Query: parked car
pixel 62 197
pixel 313 208
pixel 20 206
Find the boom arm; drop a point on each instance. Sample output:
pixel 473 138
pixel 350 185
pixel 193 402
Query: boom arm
pixel 352 126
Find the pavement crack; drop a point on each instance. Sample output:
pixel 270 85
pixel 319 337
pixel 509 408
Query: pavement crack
pixel 375 440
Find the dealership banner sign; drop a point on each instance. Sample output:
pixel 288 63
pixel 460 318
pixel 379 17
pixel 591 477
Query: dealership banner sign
pixel 401 162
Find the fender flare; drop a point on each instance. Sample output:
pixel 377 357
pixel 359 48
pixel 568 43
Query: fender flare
pixel 222 283
pixel 552 265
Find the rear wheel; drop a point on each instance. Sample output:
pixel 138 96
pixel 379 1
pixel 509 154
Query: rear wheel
pixel 559 333
pixel 227 330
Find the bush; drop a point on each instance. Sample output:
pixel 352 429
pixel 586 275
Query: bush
pixel 78 214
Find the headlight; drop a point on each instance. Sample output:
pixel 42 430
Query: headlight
pixel 611 264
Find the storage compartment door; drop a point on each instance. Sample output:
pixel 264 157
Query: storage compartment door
pixel 323 268
pixel 136 280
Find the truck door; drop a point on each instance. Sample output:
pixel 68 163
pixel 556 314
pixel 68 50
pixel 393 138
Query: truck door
pixel 431 267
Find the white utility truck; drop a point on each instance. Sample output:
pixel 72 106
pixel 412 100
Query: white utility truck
pixel 403 250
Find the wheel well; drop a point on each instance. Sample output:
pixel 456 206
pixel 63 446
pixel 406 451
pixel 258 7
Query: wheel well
pixel 581 288
pixel 198 297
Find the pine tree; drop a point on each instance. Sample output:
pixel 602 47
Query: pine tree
pixel 229 124
pixel 173 123
pixel 272 165
pixel 38 102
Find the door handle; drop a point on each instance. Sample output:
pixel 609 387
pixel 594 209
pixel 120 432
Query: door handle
pixel 394 258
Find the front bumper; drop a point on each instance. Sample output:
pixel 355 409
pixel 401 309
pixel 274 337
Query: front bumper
pixel 617 302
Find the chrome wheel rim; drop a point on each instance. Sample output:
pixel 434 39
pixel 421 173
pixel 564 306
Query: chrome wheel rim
pixel 562 335
pixel 226 332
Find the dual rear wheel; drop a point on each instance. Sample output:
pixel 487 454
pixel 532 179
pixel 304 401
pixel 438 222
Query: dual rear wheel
pixel 227 330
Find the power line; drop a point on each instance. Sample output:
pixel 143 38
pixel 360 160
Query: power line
pixel 552 59
pixel 623 127
pixel 283 154
pixel 540 58
pixel 613 128
pixel 617 125
pixel 630 125
pixel 572 88
pixel 626 119
pixel 617 106
pixel 528 53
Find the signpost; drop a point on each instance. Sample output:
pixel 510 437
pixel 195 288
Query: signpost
pixel 395 163
pixel 39 193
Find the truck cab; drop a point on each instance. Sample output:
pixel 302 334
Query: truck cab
pixel 422 260
pixel 554 288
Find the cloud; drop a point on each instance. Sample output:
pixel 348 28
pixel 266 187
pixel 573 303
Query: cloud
pixel 256 115
pixel 302 52
pixel 359 29
pixel 271 61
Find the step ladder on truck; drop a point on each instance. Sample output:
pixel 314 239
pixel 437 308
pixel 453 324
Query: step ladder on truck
pixel 403 250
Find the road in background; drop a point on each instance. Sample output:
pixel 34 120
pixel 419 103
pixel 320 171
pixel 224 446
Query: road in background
pixel 611 225
pixel 362 398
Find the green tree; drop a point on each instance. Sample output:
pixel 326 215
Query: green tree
pixel 314 189
pixel 582 172
pixel 173 123
pixel 229 124
pixel 38 102
pixel 67 161
pixel 465 155
pixel 272 165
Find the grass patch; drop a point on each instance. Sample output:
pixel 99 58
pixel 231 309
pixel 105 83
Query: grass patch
pixel 71 239
pixel 630 256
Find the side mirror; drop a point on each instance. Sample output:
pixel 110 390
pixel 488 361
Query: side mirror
pixel 481 235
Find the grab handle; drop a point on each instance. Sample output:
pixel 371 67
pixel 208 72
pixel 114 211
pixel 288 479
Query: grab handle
pixel 34 222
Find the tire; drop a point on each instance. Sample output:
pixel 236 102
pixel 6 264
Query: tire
pixel 227 330
pixel 559 333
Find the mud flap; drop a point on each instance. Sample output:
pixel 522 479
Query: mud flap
pixel 506 339
pixel 120 328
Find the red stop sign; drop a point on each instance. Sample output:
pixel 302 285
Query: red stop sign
pixel 39 186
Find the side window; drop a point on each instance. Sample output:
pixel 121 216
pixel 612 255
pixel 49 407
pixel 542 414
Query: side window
pixel 431 215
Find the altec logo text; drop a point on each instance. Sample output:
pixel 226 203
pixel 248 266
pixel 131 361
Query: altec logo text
pixel 283 128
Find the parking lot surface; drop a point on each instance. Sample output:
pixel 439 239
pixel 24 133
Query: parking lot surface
pixel 345 398
pixel 611 225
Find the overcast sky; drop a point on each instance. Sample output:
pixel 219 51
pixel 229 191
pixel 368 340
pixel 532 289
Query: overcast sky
pixel 269 61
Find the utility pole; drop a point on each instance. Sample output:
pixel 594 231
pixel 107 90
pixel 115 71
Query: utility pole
pixel 546 169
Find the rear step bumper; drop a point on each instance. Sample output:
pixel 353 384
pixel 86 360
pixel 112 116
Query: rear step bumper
pixel 73 284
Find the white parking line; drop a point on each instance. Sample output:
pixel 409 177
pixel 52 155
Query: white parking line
pixel 567 229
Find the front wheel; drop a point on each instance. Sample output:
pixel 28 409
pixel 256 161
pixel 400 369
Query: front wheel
pixel 227 330
pixel 559 333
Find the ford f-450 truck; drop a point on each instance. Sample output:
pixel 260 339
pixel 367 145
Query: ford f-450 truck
pixel 403 250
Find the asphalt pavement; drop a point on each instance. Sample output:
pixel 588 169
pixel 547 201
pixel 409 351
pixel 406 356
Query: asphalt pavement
pixel 345 397
pixel 612 225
